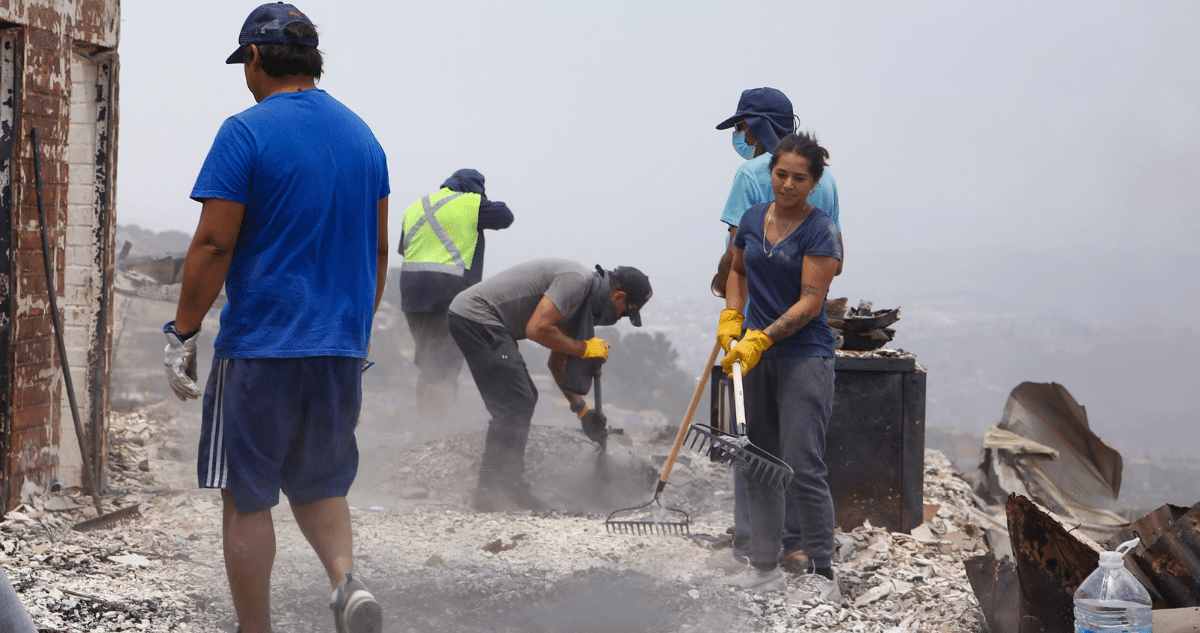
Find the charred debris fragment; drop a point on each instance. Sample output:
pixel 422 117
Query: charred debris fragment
pixel 1057 484
pixel 860 329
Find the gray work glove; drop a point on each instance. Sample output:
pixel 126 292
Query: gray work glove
pixel 180 361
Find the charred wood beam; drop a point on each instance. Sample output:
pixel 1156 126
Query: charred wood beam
pixel 1052 560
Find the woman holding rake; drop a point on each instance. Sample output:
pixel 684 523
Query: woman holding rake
pixel 785 255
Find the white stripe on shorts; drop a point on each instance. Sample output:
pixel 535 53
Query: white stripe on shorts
pixel 218 466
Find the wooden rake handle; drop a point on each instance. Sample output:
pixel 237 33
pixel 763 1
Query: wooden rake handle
pixel 687 418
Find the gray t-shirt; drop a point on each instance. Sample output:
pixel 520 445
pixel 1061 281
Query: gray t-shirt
pixel 510 298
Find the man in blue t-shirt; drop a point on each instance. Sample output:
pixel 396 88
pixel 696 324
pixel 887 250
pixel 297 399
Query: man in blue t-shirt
pixel 763 117
pixel 294 225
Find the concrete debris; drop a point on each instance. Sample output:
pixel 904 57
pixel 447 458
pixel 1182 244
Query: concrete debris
pixel 438 566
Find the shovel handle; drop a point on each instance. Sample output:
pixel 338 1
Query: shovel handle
pixel 687 419
pixel 739 404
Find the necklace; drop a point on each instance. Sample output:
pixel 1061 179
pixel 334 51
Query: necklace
pixel 771 251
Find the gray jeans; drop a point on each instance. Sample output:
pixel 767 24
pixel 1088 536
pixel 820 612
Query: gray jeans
pixel 788 405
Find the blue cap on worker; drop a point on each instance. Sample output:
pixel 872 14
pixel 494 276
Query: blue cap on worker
pixel 265 26
pixel 768 114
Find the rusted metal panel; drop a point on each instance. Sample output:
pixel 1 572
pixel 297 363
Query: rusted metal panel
pixel 1052 560
pixel 1172 561
pixel 995 585
pixel 1148 529
pixel 1043 448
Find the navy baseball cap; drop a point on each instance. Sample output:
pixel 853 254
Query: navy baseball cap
pixel 768 114
pixel 265 26
pixel 636 286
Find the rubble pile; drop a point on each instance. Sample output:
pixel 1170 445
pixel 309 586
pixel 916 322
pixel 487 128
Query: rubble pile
pixel 437 566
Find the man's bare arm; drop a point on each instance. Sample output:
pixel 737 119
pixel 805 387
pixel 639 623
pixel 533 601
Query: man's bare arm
pixel 207 262
pixel 543 330
pixel 735 288
pixel 381 265
pixel 558 369
pixel 723 266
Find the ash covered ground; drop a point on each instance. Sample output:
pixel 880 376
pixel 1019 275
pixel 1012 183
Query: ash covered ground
pixel 436 565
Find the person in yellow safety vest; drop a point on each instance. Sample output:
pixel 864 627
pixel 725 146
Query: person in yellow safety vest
pixel 442 246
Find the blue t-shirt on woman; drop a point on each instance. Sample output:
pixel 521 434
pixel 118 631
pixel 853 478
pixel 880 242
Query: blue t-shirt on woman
pixel 773 278
pixel 302 280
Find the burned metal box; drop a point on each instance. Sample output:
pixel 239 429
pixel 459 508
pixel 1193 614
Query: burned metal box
pixel 875 444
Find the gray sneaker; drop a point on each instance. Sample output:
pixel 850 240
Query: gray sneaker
pixel 754 579
pixel 813 586
pixel 355 609
pixel 728 562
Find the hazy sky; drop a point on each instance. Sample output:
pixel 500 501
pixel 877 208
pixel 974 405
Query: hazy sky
pixel 1043 155
pixel 1028 124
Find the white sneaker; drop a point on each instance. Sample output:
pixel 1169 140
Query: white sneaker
pixel 813 586
pixel 727 562
pixel 753 579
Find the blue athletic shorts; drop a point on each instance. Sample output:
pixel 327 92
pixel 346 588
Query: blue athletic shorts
pixel 274 424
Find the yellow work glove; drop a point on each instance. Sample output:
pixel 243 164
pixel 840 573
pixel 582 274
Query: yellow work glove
pixel 596 348
pixel 748 350
pixel 730 328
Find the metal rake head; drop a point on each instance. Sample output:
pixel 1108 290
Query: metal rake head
pixel 760 465
pixel 664 528
pixel 718 445
pixel 652 519
pixel 755 463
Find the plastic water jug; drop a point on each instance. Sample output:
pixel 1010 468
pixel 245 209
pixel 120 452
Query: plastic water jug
pixel 1111 600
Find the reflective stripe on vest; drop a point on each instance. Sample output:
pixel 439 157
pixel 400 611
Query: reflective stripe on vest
pixel 422 252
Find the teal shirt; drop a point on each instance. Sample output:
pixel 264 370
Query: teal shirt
pixel 752 185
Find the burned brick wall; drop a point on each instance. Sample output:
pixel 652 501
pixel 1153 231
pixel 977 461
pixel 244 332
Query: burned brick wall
pixel 59 68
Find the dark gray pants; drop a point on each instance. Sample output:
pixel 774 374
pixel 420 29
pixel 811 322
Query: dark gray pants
pixel 788 405
pixel 508 393
pixel 792 539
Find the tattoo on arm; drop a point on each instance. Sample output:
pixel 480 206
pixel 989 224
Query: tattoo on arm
pixel 787 324
pixel 809 289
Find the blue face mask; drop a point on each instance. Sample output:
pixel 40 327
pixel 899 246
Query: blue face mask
pixel 740 146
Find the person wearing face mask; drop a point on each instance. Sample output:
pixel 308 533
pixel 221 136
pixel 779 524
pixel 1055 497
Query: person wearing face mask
pixel 763 116
pixel 555 303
